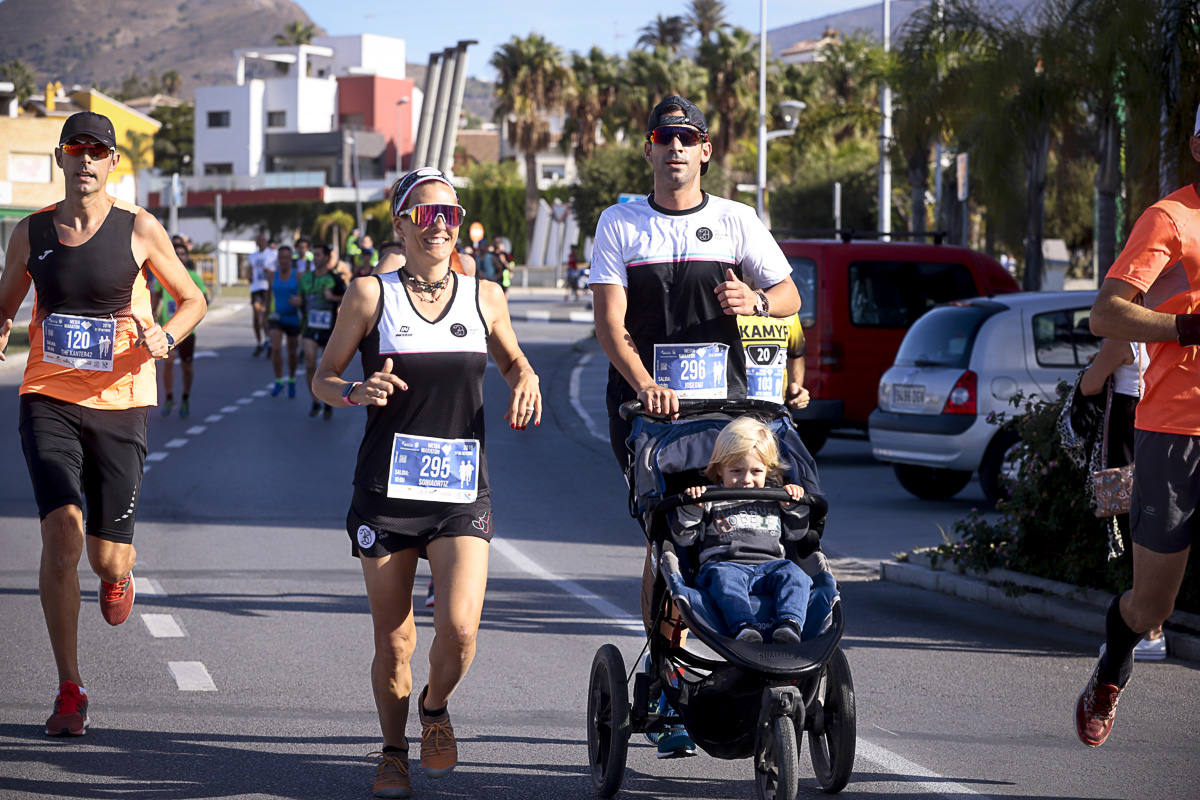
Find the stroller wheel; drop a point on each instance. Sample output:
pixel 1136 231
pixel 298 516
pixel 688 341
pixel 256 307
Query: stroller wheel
pixel 832 733
pixel 776 760
pixel 608 720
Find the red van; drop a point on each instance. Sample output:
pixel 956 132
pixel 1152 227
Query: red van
pixel 858 298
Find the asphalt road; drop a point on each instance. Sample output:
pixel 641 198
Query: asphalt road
pixel 242 546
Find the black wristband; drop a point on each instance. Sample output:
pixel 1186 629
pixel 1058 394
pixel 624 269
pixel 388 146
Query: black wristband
pixel 1188 328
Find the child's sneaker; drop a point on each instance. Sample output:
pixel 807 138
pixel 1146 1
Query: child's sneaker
pixel 787 633
pixel 70 711
pixel 749 634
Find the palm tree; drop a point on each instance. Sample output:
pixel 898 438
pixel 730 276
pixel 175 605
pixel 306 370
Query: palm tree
pixel 731 60
pixel 663 31
pixel 597 77
pixel 340 222
pixel 531 81
pixel 296 33
pixel 706 17
pixel 171 82
pixel 649 76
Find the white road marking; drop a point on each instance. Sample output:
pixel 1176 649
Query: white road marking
pixel 613 612
pixel 260 392
pixel 145 469
pixel 933 785
pixel 581 316
pixel 157 456
pixel 175 444
pixel 196 430
pixel 577 404
pixel 537 316
pixel 245 401
pixel 206 354
pixel 191 676
pixel 228 409
pixel 162 626
pixel 147 586
pixel 211 418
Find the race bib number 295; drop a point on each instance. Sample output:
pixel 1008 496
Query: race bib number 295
pixel 440 470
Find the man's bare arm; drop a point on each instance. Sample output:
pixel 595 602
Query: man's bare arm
pixel 1116 316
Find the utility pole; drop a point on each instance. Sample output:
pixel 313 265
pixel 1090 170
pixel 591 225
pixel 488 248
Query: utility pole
pixel 759 195
pixel 885 135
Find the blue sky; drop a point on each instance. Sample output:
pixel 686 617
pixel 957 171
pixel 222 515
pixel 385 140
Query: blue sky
pixel 571 24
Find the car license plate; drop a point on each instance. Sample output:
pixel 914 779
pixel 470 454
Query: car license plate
pixel 908 395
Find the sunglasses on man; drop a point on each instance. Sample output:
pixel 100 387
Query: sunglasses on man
pixel 94 150
pixel 425 214
pixel 688 137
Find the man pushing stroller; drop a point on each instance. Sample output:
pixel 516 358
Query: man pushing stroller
pixel 741 549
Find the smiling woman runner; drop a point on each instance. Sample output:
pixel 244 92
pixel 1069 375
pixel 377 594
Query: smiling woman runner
pixel 421 484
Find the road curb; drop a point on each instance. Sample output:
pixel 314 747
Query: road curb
pixel 1037 598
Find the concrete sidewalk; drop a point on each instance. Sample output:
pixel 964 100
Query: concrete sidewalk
pixel 544 304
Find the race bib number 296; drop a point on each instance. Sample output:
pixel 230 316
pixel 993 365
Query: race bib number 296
pixel 694 371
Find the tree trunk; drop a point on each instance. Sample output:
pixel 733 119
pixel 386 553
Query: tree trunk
pixel 1037 153
pixel 1108 184
pixel 918 181
pixel 531 191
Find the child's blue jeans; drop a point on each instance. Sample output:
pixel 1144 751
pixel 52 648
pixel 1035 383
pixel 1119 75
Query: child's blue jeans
pixel 729 586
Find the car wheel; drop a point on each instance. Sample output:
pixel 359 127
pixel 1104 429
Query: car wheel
pixel 931 483
pixel 999 466
pixel 814 435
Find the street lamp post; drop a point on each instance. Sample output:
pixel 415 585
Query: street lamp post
pixel 759 200
pixel 885 135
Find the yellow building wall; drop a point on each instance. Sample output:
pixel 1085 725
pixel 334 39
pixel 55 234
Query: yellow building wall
pixel 27 151
pixel 125 120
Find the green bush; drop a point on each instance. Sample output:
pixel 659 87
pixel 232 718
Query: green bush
pixel 1046 527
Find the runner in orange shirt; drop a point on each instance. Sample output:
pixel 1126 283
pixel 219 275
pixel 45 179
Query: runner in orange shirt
pixel 88 383
pixel 1161 261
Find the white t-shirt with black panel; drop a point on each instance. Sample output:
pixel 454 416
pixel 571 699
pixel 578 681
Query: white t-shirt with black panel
pixel 671 263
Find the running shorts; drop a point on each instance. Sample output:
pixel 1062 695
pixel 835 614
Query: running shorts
pixel 185 351
pixel 378 525
pixel 318 335
pixel 1166 491
pixel 260 297
pixel 86 457
pixel 288 330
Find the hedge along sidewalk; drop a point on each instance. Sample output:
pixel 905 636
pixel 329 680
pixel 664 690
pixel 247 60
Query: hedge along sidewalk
pixel 1035 597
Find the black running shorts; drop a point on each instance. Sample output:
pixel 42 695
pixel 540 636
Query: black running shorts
pixel 287 328
pixel 86 457
pixel 318 335
pixel 378 525
pixel 1166 491
pixel 185 351
pixel 259 297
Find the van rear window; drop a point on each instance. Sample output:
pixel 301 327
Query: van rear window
pixel 943 337
pixel 804 275
pixel 893 294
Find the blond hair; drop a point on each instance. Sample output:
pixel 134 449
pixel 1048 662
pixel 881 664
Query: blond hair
pixel 745 436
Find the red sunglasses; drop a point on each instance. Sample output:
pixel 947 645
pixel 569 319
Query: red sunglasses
pixel 687 136
pixel 93 150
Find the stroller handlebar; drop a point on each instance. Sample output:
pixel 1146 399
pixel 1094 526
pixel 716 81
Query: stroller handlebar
pixel 720 493
pixel 634 408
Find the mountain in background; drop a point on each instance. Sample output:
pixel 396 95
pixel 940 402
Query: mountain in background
pixel 105 41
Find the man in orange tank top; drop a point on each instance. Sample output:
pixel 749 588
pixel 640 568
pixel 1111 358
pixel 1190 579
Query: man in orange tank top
pixel 1161 262
pixel 88 383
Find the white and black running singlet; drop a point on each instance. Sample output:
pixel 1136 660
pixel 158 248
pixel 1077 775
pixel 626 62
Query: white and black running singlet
pixel 671 263
pixel 443 363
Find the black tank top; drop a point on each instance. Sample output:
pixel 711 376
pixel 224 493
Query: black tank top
pixel 442 362
pixel 93 279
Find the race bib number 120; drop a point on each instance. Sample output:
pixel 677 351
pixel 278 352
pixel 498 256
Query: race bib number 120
pixel 440 470
pixel 79 342
pixel 694 371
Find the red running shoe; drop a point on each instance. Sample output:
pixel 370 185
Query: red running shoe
pixel 70 712
pixel 116 600
pixel 1095 711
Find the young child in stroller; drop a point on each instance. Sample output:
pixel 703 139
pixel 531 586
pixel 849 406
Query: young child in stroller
pixel 741 550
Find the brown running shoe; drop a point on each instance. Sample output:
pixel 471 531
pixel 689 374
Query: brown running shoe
pixel 391 776
pixel 439 751
pixel 70 712
pixel 1095 710
pixel 116 600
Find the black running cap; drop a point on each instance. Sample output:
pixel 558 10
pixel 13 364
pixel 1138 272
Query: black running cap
pixel 89 123
pixel 687 114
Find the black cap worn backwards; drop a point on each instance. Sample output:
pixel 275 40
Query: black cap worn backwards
pixel 89 123
pixel 676 110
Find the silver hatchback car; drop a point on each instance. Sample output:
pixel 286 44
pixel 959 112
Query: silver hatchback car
pixel 958 363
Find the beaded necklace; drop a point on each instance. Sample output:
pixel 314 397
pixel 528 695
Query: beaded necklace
pixel 421 288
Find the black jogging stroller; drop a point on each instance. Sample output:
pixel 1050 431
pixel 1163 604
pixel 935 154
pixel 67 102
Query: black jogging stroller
pixel 751 699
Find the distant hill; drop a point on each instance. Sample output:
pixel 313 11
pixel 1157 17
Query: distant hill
pixel 104 41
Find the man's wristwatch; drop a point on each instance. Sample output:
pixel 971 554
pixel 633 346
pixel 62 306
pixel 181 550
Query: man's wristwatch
pixel 170 341
pixel 762 308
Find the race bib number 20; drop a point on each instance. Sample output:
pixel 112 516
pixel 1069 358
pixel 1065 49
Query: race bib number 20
pixel 440 470
pixel 694 371
pixel 79 342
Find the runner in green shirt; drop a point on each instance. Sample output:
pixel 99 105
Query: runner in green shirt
pixel 321 290
pixel 186 348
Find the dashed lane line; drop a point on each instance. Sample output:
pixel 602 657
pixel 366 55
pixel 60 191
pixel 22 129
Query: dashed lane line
pixel 228 409
pixel 191 676
pixel 260 392
pixel 175 444
pixel 213 418
pixel 245 401
pixel 196 430
pixel 163 626
pixel 147 586
pixel 158 455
